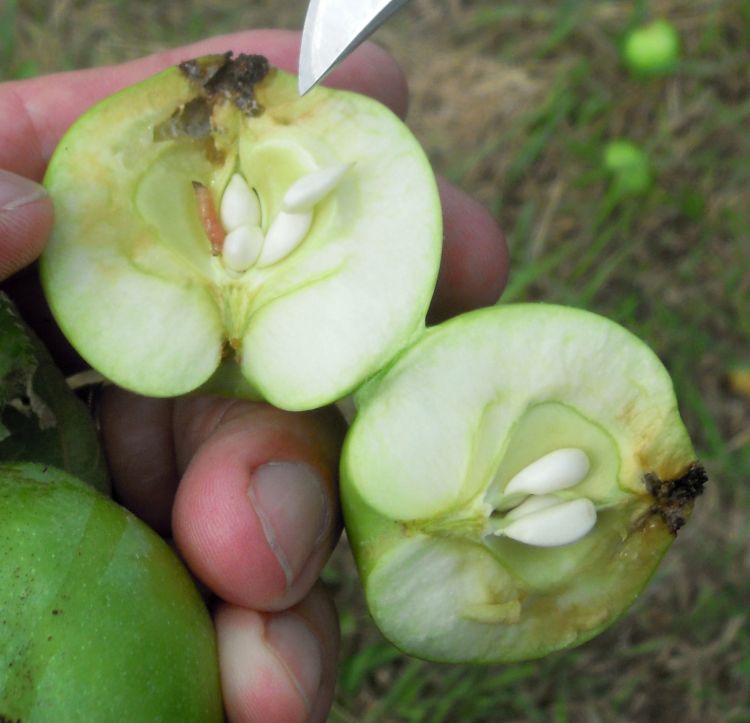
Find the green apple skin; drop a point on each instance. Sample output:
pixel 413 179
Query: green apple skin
pixel 99 621
pixel 652 49
pixel 441 430
pixel 129 273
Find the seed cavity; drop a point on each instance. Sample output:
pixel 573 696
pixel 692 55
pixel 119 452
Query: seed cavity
pixel 242 247
pixel 239 205
pixel 305 192
pixel 553 526
pixel 286 233
pixel 240 218
pixel 553 472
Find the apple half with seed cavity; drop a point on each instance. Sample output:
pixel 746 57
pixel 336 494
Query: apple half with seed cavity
pixel 99 620
pixel 511 482
pixel 215 230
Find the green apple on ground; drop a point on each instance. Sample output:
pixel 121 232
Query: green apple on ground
pixel 99 621
pixel 511 482
pixel 629 167
pixel 652 49
pixel 214 230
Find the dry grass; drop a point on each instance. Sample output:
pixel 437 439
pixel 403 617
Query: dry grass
pixel 515 101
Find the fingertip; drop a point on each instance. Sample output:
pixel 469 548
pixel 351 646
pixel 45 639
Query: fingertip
pixel 474 265
pixel 256 512
pixel 278 666
pixel 319 611
pixel 256 685
pixel 25 222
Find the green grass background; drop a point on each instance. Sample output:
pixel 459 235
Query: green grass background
pixel 515 101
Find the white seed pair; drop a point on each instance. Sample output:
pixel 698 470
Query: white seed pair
pixel 240 213
pixel 543 519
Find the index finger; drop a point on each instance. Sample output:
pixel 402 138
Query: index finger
pixel 35 113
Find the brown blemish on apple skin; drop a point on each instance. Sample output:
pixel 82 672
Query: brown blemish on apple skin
pixel 673 499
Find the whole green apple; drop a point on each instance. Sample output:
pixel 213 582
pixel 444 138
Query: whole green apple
pixel 512 480
pixel 99 621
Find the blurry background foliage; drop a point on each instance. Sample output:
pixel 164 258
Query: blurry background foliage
pixel 516 101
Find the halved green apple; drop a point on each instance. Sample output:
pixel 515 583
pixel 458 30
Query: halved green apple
pixel 215 230
pixel 99 621
pixel 511 482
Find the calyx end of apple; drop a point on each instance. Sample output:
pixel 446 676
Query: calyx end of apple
pixel 673 499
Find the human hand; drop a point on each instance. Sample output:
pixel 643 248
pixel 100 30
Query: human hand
pixel 248 491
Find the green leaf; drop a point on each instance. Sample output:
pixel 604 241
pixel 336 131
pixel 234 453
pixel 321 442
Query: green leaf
pixel 41 419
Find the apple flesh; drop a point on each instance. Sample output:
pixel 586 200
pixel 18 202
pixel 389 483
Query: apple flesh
pixel 99 621
pixel 315 292
pixel 511 482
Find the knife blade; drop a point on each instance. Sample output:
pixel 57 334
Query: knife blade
pixel 333 29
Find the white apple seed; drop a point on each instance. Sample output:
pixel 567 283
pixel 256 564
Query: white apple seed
pixel 554 526
pixel 242 247
pixel 531 504
pixel 305 192
pixel 555 471
pixel 285 234
pixel 239 205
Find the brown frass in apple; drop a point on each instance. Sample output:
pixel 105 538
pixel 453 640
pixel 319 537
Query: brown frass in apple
pixel 228 77
pixel 217 78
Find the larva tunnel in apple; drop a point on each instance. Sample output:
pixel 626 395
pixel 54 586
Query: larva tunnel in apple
pixel 512 481
pixel 214 230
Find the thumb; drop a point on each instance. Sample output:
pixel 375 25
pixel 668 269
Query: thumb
pixel 25 222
